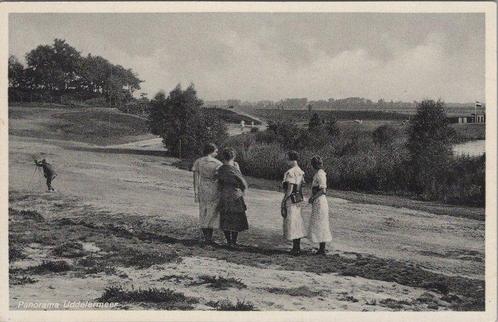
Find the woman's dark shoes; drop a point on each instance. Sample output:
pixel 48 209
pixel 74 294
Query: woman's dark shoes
pixel 321 252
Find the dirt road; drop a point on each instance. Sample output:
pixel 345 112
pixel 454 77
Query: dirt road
pixel 381 258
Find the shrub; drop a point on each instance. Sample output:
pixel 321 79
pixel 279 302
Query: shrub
pixel 137 107
pixel 303 291
pixel 380 162
pixel 227 305
pixel 96 101
pixel 16 253
pixel 384 134
pixel 167 298
pixel 51 267
pixel 219 282
pixel 262 161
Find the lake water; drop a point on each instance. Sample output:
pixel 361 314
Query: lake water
pixel 471 148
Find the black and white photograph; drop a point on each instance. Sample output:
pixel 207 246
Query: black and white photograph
pixel 216 160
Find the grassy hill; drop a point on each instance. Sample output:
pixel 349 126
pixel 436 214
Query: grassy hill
pixel 99 126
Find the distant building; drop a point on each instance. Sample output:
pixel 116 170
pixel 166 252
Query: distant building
pixel 472 118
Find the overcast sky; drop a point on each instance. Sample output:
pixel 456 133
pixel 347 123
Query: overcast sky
pixel 253 56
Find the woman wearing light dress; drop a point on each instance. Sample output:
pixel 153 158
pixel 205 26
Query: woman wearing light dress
pixel 292 202
pixel 319 228
pixel 206 191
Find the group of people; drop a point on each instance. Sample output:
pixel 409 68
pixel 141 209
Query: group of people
pixel 220 187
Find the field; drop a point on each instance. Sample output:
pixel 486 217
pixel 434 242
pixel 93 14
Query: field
pixel 123 228
pixel 304 115
pixel 370 120
pixel 230 116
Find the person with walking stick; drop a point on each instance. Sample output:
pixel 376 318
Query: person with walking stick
pixel 48 172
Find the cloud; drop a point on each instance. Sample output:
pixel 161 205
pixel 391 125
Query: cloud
pixel 270 56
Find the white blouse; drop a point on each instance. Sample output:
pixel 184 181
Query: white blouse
pixel 294 175
pixel 320 179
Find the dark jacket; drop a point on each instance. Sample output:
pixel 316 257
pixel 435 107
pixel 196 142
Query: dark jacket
pixel 48 169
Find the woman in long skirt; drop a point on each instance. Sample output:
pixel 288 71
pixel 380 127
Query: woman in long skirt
pixel 232 208
pixel 319 229
pixel 292 202
pixel 206 191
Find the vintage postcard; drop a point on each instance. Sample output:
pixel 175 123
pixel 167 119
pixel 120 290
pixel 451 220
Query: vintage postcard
pixel 278 161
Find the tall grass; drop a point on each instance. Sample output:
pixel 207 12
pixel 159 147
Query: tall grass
pixel 359 161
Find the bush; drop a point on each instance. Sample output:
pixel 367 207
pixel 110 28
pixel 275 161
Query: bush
pixel 219 282
pixel 227 305
pixel 262 161
pixel 384 134
pixel 464 181
pixel 96 101
pixel 137 107
pixel 380 162
pixel 166 298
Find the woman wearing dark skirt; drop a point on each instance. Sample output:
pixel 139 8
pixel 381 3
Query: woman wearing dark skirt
pixel 232 207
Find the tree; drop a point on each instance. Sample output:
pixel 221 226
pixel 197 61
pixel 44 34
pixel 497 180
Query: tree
pixel 315 122
pixel 331 126
pixel 57 70
pixel 178 119
pixel 54 67
pixel 429 146
pixel 16 72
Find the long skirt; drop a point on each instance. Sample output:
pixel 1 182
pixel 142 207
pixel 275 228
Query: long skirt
pixel 293 224
pixel 209 216
pixel 319 228
pixel 233 221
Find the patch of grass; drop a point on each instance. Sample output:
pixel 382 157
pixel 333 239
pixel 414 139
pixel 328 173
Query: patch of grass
pixel 219 282
pixel 164 298
pixel 393 304
pixel 469 132
pixel 93 266
pixel 227 305
pixel 371 302
pixel 70 249
pixel 16 253
pixel 295 291
pixel 50 267
pixel 80 124
pixel 21 280
pixel 427 298
pixel 174 277
pixel 140 259
pixel 349 298
pixel 437 286
pixel 26 214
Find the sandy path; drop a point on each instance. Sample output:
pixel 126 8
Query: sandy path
pixel 150 186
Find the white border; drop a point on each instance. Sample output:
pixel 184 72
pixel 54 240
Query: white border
pixel 488 8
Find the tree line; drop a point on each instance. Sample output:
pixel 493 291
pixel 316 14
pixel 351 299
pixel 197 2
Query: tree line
pixel 59 73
